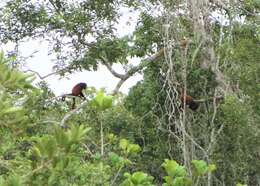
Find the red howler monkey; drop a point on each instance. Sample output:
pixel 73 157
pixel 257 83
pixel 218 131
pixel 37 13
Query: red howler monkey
pixel 76 91
pixel 189 101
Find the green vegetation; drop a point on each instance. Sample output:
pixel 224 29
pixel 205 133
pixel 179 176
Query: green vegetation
pixel 144 138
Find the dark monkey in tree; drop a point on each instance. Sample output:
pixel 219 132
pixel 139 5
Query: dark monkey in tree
pixel 76 91
pixel 188 101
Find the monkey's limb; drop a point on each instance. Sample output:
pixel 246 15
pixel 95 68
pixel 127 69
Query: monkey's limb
pixel 73 103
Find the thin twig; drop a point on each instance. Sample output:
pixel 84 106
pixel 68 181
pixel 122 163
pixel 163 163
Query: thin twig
pixel 47 75
pixel 117 174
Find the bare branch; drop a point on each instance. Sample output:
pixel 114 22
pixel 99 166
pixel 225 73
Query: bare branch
pixel 119 84
pixel 133 70
pixel 47 75
pixel 71 113
pixel 37 73
pixel 109 67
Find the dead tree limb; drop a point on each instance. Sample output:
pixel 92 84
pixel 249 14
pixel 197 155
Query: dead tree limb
pixel 71 113
pixel 109 67
pixel 133 70
pixel 47 75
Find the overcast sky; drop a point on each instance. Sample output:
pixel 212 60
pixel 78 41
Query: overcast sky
pixel 102 78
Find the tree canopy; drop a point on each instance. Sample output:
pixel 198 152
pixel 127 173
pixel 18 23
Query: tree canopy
pixel 208 49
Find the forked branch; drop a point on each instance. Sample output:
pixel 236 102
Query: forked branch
pixel 133 70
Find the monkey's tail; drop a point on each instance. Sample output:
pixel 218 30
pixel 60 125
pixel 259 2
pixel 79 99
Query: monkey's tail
pixel 64 96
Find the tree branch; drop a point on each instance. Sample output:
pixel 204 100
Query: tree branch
pixel 71 113
pixel 109 67
pixel 133 70
pixel 47 75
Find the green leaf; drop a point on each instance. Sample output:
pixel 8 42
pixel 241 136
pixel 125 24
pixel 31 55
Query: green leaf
pixel 102 102
pixel 127 175
pixel 138 177
pixel 239 184
pixel 76 133
pixel 36 152
pixel 182 181
pixel 13 180
pixel 47 146
pixel 51 147
pixel 107 102
pixel 199 167
pixel 133 148
pixel 212 167
pixel 61 137
pixel 168 179
pixel 123 144
pixel 173 169
pixel 8 75
pixel 99 99
pixel 115 159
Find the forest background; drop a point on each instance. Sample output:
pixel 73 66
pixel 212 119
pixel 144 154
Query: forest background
pixel 208 48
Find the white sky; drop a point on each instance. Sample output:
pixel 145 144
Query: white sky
pixel 102 78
